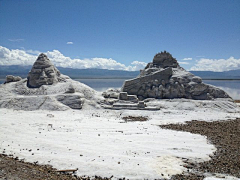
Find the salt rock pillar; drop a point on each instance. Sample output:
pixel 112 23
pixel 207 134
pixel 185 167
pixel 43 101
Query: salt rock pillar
pixel 43 72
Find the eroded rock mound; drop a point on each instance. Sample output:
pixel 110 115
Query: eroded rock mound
pixel 43 72
pixel 46 89
pixel 163 78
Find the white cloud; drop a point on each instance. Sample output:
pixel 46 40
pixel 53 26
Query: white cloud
pixel 216 64
pixel 15 57
pixel 101 63
pixel 34 52
pixel 136 65
pixel 187 59
pixel 69 42
pixel 180 62
pixel 16 40
pixel 22 57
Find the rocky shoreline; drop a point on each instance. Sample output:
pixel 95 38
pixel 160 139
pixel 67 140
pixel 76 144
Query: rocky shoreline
pixel 223 134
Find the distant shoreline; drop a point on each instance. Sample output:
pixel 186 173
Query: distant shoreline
pixel 222 79
pixel 75 78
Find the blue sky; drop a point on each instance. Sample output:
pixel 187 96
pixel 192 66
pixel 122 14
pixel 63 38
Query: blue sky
pixel 124 31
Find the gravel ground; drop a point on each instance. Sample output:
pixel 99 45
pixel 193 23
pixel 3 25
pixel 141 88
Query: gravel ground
pixel 15 169
pixel 135 118
pixel 223 134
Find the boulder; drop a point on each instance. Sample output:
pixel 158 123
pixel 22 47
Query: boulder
pixel 141 104
pixel 163 78
pixel 111 93
pixel 125 97
pixel 72 101
pixel 43 72
pixel 11 78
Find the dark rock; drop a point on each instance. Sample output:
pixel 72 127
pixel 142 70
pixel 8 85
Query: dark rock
pixel 123 96
pixel 141 104
pixel 164 59
pixel 11 78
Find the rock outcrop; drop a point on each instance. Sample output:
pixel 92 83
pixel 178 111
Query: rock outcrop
pixel 11 78
pixel 43 72
pixel 163 78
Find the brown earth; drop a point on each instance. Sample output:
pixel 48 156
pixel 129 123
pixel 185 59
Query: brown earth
pixel 15 169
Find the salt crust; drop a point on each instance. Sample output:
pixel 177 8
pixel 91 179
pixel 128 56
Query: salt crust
pixel 98 141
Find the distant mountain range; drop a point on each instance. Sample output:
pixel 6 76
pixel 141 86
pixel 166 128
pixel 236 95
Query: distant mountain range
pixel 22 71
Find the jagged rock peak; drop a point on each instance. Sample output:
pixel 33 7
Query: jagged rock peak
pixel 164 59
pixel 161 60
pixel 43 72
pixel 42 61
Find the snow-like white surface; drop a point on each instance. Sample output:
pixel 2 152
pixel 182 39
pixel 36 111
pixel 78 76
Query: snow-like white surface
pixel 99 142
pixel 221 177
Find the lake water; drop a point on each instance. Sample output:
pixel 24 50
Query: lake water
pixel 232 87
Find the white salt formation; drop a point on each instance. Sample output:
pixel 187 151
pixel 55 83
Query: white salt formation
pixel 43 72
pixel 46 88
pixel 165 79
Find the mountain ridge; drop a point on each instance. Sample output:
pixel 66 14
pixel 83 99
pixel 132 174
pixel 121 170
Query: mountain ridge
pixel 22 71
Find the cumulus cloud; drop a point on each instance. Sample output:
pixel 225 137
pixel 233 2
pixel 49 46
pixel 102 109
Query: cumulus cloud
pixel 187 59
pixel 16 40
pixel 33 52
pixel 22 57
pixel 217 65
pixel 101 63
pixel 15 57
pixel 69 42
pixel 180 62
pixel 136 65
